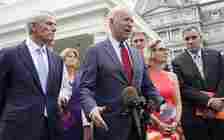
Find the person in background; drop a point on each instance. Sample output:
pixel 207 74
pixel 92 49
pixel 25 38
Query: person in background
pixel 200 73
pixel 30 80
pixel 164 125
pixel 109 67
pixel 72 117
pixel 139 40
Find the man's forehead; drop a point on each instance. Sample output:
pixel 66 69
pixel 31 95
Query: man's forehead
pixel 192 32
pixel 139 35
pixel 122 12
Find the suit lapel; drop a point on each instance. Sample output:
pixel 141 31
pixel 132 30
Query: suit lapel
pixel 134 61
pixel 205 59
pixel 190 65
pixel 28 62
pixel 51 69
pixel 111 52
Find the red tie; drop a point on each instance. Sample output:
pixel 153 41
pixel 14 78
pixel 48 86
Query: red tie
pixel 126 62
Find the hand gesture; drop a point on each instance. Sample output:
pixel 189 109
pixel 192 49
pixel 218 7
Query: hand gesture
pixel 216 104
pixel 97 119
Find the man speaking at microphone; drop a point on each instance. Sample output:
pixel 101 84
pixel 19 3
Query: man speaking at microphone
pixel 109 67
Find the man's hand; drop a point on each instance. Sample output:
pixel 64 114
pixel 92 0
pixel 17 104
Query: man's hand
pixel 97 119
pixel 216 103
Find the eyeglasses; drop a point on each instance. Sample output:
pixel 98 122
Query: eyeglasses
pixel 190 37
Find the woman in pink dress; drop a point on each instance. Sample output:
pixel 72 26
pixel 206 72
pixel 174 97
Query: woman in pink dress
pixel 166 121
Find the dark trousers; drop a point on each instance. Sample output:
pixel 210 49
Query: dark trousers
pixel 45 130
pixel 133 134
pixel 204 129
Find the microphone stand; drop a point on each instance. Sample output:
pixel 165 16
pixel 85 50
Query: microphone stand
pixel 136 118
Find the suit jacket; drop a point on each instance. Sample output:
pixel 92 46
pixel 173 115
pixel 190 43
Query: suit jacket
pixel 191 81
pixel 102 83
pixel 21 97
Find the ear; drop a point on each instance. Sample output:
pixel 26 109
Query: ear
pixel 111 21
pixel 33 27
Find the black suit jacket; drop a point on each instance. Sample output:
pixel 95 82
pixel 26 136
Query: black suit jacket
pixel 191 82
pixel 21 97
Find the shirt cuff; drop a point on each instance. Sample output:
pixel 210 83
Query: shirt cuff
pixel 85 122
pixel 91 112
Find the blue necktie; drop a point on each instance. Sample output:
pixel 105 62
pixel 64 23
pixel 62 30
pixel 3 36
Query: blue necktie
pixel 42 69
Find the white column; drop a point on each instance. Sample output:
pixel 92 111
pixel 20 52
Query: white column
pixel 99 36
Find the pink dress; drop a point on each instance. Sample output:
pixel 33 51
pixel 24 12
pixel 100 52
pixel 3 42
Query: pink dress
pixel 166 87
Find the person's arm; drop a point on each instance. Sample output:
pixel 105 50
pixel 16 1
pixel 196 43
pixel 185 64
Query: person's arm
pixel 177 96
pixel 88 81
pixel 4 76
pixel 87 89
pixel 189 93
pixel 65 93
pixel 164 127
pixel 149 91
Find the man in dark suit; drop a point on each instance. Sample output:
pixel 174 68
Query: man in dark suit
pixel 200 73
pixel 109 67
pixel 30 80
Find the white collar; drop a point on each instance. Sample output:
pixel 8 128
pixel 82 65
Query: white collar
pixel 198 54
pixel 33 47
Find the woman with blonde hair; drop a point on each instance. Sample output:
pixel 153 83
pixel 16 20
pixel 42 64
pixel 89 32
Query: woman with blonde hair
pixel 166 121
pixel 73 119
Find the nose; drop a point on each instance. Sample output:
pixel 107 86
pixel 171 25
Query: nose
pixel 130 22
pixel 54 28
pixel 138 42
pixel 190 41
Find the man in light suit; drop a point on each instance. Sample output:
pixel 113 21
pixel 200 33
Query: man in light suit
pixel 30 80
pixel 106 72
pixel 200 73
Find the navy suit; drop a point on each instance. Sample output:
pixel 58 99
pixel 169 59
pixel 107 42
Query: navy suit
pixel 102 83
pixel 191 83
pixel 21 96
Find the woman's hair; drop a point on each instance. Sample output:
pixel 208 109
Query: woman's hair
pixel 149 52
pixel 66 51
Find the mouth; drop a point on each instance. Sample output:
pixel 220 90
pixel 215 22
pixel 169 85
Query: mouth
pixel 127 31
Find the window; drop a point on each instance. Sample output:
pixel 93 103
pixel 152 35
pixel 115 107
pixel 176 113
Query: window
pixel 215 14
pixel 175 34
pixel 163 35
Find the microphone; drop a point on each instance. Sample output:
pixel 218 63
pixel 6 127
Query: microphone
pixel 131 101
pixel 130 97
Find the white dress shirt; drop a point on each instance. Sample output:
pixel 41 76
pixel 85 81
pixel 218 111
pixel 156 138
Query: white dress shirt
pixel 115 45
pixel 197 58
pixel 33 47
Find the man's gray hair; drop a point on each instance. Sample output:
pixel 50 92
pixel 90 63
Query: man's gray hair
pixel 37 17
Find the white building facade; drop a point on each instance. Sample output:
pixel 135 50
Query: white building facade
pixel 169 17
pixel 79 23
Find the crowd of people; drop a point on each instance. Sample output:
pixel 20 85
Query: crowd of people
pixel 123 90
